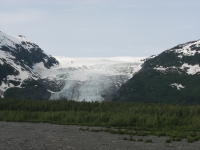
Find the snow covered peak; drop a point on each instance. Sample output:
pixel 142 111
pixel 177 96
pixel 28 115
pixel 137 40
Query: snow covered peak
pixel 24 50
pixel 22 38
pixel 14 41
pixel 18 58
pixel 187 49
pixel 8 40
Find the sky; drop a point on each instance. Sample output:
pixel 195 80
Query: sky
pixel 102 28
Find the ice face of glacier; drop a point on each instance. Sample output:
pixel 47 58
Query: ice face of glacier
pixel 91 79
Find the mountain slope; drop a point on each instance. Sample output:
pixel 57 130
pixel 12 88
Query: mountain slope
pixel 18 59
pixel 172 76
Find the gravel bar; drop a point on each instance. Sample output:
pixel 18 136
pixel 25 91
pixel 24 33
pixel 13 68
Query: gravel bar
pixel 45 136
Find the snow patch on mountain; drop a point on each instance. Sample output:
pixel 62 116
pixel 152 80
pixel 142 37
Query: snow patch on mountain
pixel 161 68
pixel 177 85
pixel 187 49
pixel 191 69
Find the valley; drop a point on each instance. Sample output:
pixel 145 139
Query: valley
pixel 99 75
pixel 88 79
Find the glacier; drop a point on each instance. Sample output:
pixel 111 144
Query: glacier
pixel 90 79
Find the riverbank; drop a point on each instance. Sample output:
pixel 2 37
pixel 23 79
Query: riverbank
pixel 23 136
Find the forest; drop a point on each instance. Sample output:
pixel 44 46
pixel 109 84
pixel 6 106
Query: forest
pixel 172 120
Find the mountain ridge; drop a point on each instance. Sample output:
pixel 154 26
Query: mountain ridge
pixel 27 72
pixel 171 76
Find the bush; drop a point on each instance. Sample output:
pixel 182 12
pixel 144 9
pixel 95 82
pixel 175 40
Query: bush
pixel 148 141
pixel 124 138
pixel 168 141
pixel 95 130
pixel 131 139
pixel 178 139
pixel 84 129
pixel 140 140
pixel 191 139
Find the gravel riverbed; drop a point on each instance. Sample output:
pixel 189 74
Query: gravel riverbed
pixel 45 136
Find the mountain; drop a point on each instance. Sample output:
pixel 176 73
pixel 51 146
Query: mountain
pixel 19 60
pixel 26 71
pixel 172 76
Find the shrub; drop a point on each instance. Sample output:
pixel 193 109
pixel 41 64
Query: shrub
pixel 178 139
pixel 84 129
pixel 140 140
pixel 191 139
pixel 148 141
pixel 168 141
pixel 131 139
pixel 95 130
pixel 124 138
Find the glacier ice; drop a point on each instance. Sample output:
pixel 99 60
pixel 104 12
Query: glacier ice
pixel 92 79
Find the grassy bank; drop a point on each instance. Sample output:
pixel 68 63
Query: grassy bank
pixel 175 121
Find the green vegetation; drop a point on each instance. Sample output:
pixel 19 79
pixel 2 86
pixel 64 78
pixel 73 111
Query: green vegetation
pixel 131 139
pixel 125 138
pixel 176 139
pixel 151 85
pixel 148 141
pixel 31 89
pixel 140 140
pixel 84 129
pixel 154 86
pixel 172 120
pixel 192 139
pixel 168 141
pixel 95 130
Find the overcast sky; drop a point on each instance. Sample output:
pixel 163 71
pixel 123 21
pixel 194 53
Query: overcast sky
pixel 102 28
